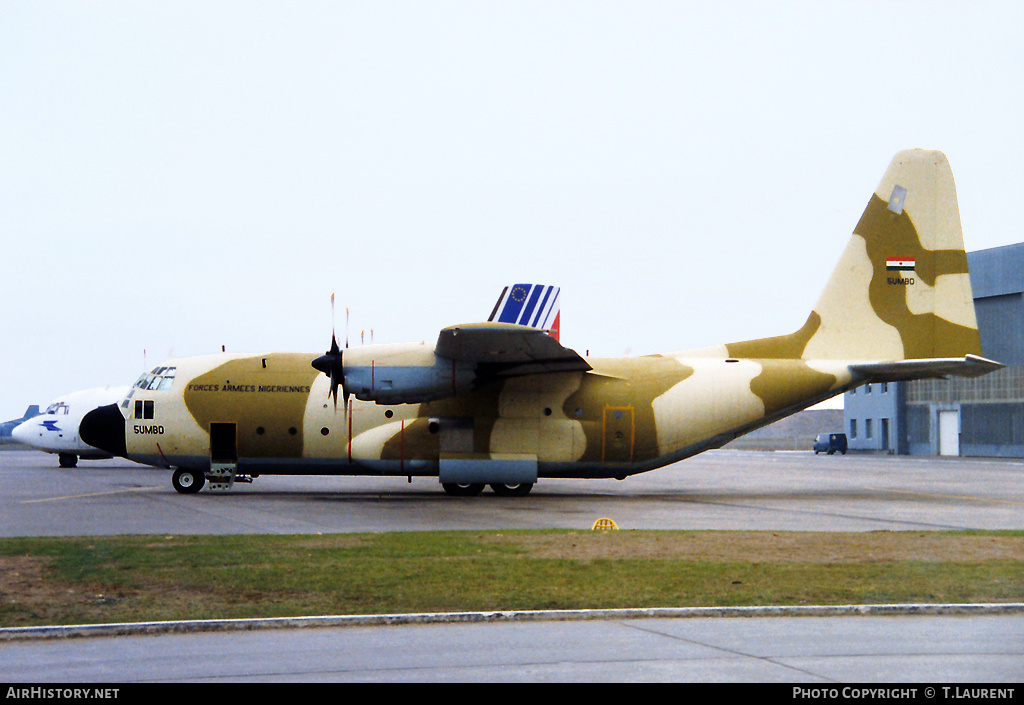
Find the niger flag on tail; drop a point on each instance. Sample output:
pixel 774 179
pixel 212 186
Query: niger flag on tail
pixel 899 264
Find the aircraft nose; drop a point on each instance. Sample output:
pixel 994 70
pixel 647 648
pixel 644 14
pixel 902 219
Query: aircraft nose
pixel 23 432
pixel 103 428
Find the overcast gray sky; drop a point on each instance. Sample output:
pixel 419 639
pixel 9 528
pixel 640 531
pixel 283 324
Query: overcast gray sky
pixel 178 176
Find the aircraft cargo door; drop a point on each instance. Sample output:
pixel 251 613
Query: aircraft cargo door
pixel 618 434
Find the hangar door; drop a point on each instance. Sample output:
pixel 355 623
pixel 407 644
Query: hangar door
pixel 949 433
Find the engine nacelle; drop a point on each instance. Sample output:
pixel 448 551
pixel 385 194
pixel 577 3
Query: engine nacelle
pixel 407 373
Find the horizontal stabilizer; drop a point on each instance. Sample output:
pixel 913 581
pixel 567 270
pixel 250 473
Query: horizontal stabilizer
pixel 968 366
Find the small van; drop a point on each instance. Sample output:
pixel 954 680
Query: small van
pixel 830 443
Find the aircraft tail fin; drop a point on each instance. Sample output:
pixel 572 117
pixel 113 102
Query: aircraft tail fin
pixel 534 305
pixel 901 290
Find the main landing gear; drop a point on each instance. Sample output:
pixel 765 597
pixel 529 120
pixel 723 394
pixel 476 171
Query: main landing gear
pixel 472 490
pixel 188 481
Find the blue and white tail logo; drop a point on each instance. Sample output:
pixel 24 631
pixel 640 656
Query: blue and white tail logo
pixel 534 305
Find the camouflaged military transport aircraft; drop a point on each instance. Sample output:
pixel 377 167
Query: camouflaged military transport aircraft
pixel 505 404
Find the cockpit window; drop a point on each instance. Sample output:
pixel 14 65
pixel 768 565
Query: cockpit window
pixel 161 378
pixel 58 407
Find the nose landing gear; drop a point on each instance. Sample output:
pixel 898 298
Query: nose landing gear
pixel 188 481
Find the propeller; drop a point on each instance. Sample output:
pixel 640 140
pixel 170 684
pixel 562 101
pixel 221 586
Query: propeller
pixel 332 363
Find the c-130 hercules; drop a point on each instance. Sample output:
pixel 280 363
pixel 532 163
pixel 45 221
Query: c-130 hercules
pixel 505 404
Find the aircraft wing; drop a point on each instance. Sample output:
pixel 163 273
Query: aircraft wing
pixel 507 350
pixel 968 366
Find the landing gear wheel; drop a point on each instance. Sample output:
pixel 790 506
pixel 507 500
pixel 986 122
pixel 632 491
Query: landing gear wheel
pixel 67 460
pixel 188 481
pixel 456 490
pixel 520 490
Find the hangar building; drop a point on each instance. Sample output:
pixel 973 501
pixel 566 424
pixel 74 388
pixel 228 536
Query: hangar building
pixel 958 416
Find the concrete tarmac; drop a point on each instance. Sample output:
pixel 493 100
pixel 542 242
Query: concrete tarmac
pixel 717 490
pixel 925 650
pixel 723 489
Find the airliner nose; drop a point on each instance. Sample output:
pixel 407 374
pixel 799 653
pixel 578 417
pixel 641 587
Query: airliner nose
pixel 103 428
pixel 23 432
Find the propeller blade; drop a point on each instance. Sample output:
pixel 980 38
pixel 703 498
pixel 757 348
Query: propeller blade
pixel 332 364
pixel 334 386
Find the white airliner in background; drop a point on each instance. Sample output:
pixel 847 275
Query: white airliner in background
pixel 56 429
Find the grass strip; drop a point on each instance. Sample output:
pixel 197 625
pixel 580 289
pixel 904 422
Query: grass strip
pixel 90 580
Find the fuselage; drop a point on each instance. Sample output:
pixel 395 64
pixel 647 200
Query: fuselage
pixel 273 413
pixel 56 430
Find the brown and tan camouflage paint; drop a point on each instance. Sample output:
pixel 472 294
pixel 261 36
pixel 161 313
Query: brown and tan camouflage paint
pixel 628 414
